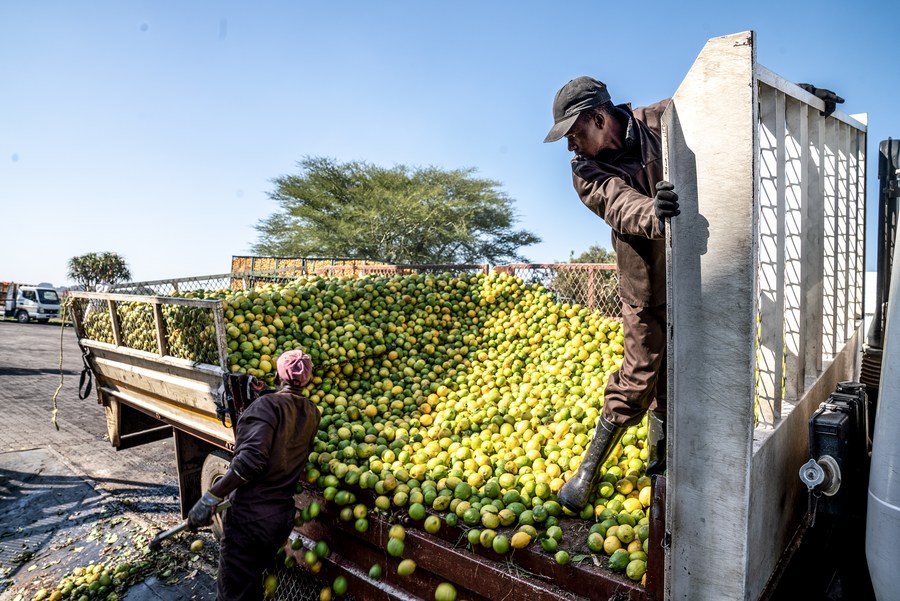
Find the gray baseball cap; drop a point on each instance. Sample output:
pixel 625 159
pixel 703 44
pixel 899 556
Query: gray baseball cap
pixel 579 94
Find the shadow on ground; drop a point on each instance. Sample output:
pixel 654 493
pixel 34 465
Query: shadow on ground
pixel 52 520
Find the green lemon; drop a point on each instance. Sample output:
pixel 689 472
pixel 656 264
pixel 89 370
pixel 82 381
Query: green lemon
pixel 500 544
pixel 417 511
pixel 595 542
pixel 395 547
pixel 550 545
pixel 340 585
pixel 635 569
pixel 406 567
pixel 619 560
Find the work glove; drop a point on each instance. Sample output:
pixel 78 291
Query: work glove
pixel 201 513
pixel 666 200
pixel 827 96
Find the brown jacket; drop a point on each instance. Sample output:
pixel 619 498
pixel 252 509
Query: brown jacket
pixel 619 187
pixel 273 439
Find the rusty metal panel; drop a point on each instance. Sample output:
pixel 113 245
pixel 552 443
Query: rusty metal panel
pixel 477 573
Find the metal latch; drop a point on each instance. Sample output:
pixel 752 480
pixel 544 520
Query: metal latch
pixel 821 477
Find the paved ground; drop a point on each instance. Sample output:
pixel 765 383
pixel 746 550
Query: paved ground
pixel 67 497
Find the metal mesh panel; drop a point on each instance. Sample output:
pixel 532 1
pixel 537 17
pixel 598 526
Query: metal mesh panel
pixel 591 285
pixel 94 317
pixel 137 326
pixel 175 286
pixel 185 329
pixel 298 584
pixel 191 333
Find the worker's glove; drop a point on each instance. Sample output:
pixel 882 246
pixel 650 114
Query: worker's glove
pixel 827 96
pixel 666 200
pixel 201 513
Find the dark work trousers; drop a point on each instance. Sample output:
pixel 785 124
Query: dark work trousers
pixel 247 548
pixel 640 384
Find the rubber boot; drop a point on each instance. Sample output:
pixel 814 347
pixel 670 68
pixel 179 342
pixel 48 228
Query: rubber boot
pixel 575 493
pixel 656 440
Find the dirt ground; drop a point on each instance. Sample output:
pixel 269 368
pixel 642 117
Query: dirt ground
pixel 68 499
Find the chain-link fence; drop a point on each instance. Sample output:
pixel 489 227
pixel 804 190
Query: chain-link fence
pixel 199 286
pixel 298 584
pixel 359 270
pixel 169 317
pixel 591 285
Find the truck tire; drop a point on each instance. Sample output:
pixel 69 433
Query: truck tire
pixel 22 316
pixel 214 467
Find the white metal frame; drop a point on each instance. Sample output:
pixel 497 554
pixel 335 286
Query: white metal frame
pixel 765 302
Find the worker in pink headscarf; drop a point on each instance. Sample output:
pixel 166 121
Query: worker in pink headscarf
pixel 273 438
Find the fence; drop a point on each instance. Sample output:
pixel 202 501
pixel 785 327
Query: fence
pixel 591 285
pixel 204 283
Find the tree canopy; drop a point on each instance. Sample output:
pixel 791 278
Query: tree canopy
pixel 594 254
pixel 98 268
pixel 404 215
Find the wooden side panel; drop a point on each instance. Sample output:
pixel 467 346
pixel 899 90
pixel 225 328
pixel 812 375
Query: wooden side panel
pixel 173 391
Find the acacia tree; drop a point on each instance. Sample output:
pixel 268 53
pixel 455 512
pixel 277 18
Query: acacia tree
pixel 98 268
pixel 594 254
pixel 397 215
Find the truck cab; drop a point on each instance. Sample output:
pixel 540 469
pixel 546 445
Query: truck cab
pixel 26 302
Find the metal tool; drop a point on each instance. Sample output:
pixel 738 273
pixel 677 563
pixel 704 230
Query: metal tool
pixel 159 538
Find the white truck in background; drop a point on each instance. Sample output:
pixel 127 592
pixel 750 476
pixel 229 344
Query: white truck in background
pixel 26 302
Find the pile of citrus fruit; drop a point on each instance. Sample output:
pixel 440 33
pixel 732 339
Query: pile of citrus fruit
pixel 471 397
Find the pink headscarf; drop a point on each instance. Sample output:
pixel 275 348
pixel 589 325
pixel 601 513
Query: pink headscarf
pixel 294 367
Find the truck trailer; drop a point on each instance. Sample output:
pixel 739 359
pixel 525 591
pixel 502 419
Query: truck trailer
pixel 766 342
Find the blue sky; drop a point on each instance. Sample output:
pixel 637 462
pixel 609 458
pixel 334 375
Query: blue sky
pixel 153 129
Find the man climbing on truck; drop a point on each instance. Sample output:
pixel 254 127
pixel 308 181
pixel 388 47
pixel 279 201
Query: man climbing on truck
pixel 618 174
pixel 273 438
